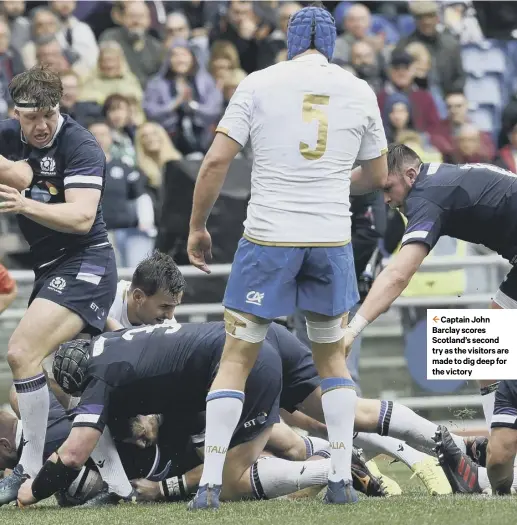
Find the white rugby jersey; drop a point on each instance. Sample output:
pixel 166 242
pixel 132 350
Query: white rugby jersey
pixel 308 122
pixel 118 310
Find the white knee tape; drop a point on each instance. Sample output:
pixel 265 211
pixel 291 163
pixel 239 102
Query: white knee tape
pixel 241 328
pixel 327 331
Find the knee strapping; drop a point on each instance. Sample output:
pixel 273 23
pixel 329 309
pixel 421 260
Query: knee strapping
pixel 327 331
pixel 239 327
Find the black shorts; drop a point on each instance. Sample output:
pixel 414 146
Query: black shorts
pixel 505 407
pixel 300 377
pixel 262 396
pixel 84 282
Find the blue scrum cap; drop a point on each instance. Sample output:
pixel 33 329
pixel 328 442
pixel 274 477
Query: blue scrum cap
pixel 311 28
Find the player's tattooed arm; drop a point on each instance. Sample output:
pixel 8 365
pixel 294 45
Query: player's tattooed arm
pixel 502 448
pixel 16 174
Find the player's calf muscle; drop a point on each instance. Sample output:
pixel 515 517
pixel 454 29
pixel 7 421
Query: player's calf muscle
pixel 501 452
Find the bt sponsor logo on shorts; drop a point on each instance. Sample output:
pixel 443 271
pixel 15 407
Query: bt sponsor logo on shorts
pixel 255 298
pixel 98 310
pixel 259 420
pixel 57 284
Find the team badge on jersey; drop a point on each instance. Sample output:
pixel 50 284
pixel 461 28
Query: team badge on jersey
pixel 58 284
pixel 48 166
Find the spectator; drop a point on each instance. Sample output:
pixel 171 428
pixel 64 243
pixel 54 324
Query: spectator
pixel 49 53
pixel 276 41
pixel 201 16
pixel 448 129
pixel 184 99
pixel 401 74
pixel 233 80
pixel 142 51
pixel 111 76
pixel 424 77
pixel 117 111
pixel 82 112
pixel 10 65
pixel 396 116
pixel 444 48
pixel 127 208
pixel 507 155
pixel 418 143
pixel 356 24
pixel 177 28
pixel 467 147
pixel 366 64
pixel 76 38
pixel 19 25
pixel 508 117
pixel 244 28
pixel 44 27
pixel 224 58
pixel 154 152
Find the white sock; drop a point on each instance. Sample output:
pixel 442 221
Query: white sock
pixel 274 477
pixel 402 423
pixel 315 444
pixel 110 467
pixel 223 411
pixel 375 445
pixel 488 401
pixel 339 399
pixel 33 402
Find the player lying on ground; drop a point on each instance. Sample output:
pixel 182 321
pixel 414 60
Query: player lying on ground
pixel 61 168
pixel 476 203
pixel 296 252
pixel 499 476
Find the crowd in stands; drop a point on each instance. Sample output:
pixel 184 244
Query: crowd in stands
pixel 151 80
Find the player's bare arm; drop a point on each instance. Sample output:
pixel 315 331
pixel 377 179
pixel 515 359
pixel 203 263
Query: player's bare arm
pixel 76 215
pixel 62 467
pixel 208 186
pixel 371 175
pixel 502 448
pixel 17 174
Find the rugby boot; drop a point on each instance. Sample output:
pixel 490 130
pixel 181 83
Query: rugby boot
pixel 389 486
pixel 105 497
pixel 429 472
pixel 10 485
pixel 476 449
pixel 340 493
pixel 362 478
pixel 207 497
pixel 460 469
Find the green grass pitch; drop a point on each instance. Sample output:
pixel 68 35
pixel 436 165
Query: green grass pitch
pixel 415 507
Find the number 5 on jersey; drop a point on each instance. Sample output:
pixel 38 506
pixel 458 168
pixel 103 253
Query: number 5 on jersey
pixel 310 113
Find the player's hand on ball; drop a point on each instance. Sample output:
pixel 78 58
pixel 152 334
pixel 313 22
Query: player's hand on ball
pixel 147 490
pixel 199 249
pixel 11 200
pixel 25 497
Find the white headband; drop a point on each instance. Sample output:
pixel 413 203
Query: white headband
pixel 30 106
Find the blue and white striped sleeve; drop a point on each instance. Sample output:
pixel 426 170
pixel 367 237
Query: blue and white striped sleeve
pixel 92 410
pixel 425 221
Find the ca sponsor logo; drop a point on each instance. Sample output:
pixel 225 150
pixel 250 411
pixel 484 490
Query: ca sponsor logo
pixel 58 284
pixel 48 166
pixel 255 298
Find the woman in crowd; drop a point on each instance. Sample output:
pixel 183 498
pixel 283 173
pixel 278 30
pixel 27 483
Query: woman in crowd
pixel 184 99
pixel 117 111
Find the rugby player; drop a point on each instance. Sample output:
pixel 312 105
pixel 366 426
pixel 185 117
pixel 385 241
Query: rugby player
pixel 308 121
pixel 153 370
pixel 59 167
pixel 8 288
pixel 476 203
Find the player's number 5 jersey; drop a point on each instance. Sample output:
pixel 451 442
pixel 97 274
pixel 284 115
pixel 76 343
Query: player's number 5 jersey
pixel 308 121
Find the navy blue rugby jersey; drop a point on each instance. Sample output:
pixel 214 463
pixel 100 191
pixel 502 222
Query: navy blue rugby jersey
pixel 476 203
pixel 73 159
